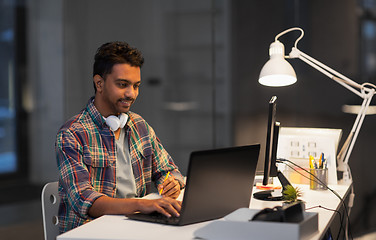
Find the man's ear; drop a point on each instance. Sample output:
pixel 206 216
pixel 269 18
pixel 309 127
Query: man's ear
pixel 98 82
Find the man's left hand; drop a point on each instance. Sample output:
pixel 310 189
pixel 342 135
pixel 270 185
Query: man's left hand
pixel 170 188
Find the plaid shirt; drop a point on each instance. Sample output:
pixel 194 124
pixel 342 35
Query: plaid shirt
pixel 86 157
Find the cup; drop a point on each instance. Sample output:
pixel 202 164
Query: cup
pixel 322 175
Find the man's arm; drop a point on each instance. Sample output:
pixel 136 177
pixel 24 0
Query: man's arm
pixel 74 177
pixel 107 205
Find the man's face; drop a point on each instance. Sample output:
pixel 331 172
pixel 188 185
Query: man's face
pixel 120 89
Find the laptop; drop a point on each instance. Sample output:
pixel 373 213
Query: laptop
pixel 219 181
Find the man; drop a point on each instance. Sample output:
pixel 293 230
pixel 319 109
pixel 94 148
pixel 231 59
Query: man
pixel 107 155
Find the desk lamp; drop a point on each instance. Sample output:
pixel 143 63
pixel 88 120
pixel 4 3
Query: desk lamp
pixel 278 72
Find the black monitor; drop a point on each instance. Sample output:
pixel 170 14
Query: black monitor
pixel 270 168
pixel 270 164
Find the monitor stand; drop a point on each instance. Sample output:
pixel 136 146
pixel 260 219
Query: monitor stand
pixel 273 195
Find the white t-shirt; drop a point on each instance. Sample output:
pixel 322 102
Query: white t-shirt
pixel 125 182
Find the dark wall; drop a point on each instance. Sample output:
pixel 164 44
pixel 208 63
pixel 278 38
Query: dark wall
pixel 332 37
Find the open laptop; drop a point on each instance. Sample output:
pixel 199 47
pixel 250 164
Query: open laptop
pixel 219 181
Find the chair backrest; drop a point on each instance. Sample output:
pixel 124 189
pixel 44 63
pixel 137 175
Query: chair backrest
pixel 50 208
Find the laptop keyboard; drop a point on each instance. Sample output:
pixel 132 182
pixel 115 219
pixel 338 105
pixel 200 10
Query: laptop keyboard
pixel 160 218
pixel 156 217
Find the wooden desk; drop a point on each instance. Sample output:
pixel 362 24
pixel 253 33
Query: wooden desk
pixel 119 227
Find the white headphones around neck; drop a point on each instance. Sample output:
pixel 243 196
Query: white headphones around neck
pixel 115 122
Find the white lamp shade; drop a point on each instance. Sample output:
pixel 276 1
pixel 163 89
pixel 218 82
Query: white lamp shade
pixel 277 72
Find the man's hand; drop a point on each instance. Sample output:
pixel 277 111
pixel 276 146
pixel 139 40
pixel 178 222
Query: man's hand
pixel 170 188
pixel 107 205
pixel 167 206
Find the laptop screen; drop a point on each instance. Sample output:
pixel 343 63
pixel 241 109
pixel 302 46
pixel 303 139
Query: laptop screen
pixel 219 181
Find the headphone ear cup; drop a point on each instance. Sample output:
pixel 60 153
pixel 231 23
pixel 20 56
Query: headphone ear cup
pixel 113 122
pixel 123 119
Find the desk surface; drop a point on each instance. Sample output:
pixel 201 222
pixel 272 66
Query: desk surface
pixel 119 227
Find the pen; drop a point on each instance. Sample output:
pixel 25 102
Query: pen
pixel 320 161
pixel 323 161
pixel 168 174
pixel 311 162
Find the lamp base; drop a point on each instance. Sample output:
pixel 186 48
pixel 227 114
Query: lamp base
pixel 346 177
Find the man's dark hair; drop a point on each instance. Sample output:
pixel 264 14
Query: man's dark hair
pixel 113 53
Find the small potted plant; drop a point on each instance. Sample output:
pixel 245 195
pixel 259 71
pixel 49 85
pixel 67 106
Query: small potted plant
pixel 291 194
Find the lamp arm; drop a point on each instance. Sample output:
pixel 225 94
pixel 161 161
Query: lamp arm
pixel 344 154
pixel 366 93
pixel 329 72
pixel 355 130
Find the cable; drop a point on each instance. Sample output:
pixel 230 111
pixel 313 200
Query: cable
pixel 369 84
pixel 347 230
pixel 300 173
pixel 333 210
pixel 319 181
pixel 351 201
pixel 282 160
pixel 290 30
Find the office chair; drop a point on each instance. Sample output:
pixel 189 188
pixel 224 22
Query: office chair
pixel 50 208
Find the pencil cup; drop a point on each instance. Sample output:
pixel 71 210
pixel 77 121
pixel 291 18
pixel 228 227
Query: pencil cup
pixel 322 175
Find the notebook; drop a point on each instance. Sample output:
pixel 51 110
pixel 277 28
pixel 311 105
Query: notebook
pixel 219 181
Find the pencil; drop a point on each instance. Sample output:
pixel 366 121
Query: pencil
pixel 168 174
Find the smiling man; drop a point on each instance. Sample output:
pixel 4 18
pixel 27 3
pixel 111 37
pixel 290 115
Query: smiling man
pixel 109 157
